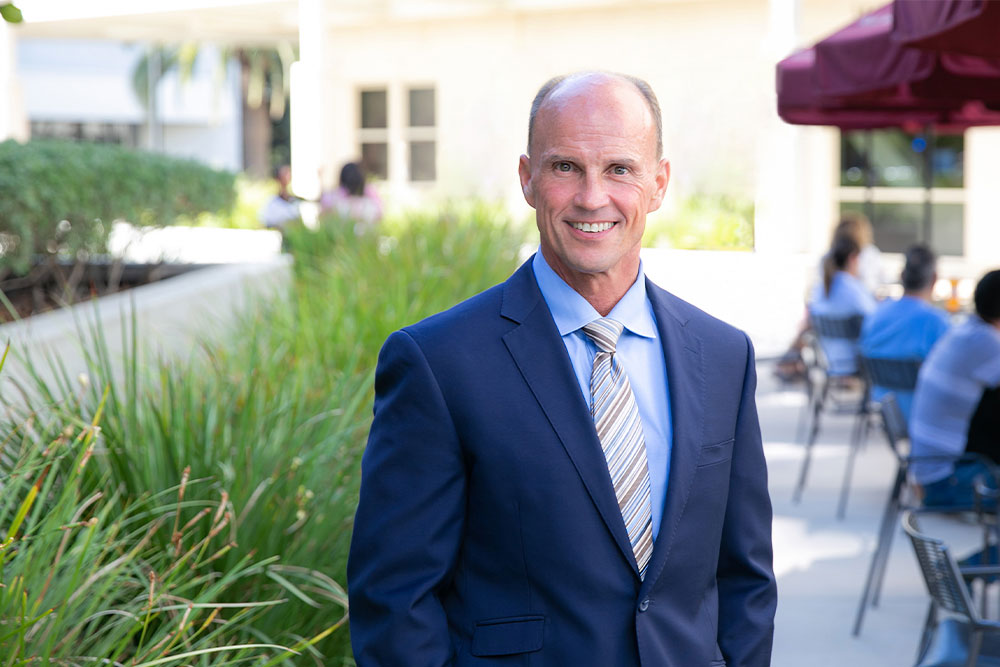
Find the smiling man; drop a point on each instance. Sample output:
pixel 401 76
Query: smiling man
pixel 567 468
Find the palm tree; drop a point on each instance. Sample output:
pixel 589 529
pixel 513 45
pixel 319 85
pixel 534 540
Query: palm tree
pixel 264 83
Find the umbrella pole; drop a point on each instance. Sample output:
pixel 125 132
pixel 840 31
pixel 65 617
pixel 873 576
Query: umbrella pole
pixel 928 182
pixel 869 177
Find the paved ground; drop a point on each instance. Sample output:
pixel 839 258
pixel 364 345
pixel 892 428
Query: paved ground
pixel 821 562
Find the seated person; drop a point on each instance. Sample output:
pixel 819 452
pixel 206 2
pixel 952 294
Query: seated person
pixel 906 328
pixel 952 383
pixel 284 206
pixel 841 294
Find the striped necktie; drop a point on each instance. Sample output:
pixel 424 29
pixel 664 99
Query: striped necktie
pixel 619 429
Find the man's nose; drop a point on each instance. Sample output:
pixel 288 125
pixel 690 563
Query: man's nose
pixel 592 193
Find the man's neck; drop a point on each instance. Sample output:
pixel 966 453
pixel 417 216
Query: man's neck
pixel 601 290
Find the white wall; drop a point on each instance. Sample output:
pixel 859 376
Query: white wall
pixel 704 60
pixel 12 121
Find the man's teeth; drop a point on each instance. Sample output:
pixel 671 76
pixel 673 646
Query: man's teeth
pixel 592 226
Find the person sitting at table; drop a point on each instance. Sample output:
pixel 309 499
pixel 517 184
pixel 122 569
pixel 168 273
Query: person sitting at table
pixel 908 327
pixel 952 383
pixel 841 294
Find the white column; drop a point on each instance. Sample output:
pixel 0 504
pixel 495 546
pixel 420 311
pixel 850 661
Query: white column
pixel 780 215
pixel 12 119
pixel 308 100
pixel 982 198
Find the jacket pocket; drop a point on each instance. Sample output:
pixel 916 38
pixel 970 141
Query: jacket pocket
pixel 717 453
pixel 507 636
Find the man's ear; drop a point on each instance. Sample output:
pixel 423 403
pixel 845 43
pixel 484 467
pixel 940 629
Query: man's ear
pixel 524 173
pixel 662 178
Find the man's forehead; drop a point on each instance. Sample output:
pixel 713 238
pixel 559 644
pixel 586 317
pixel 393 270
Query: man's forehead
pixel 607 106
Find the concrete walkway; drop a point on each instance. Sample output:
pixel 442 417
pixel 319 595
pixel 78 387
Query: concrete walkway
pixel 821 562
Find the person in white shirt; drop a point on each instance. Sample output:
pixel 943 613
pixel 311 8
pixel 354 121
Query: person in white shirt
pixel 960 369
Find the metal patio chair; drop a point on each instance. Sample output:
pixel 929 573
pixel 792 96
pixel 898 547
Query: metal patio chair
pixel 962 638
pixel 904 498
pixel 827 392
pixel 895 375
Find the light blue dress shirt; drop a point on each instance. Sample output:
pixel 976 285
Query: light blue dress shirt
pixel 640 352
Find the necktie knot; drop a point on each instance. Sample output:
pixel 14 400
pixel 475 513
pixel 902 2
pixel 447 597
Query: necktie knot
pixel 605 333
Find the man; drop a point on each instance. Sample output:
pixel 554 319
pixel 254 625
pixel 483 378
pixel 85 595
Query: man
pixel 520 504
pixel 952 383
pixel 906 328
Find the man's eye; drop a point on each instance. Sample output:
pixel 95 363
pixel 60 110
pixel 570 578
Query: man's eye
pixel 619 170
pixel 563 166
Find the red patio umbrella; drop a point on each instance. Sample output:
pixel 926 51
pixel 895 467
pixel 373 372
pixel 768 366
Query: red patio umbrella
pixel 864 58
pixel 801 101
pixel 957 26
pixel 860 77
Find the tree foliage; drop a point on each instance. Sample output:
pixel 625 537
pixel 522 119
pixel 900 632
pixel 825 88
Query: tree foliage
pixel 10 13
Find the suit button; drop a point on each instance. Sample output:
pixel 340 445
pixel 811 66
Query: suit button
pixel 644 605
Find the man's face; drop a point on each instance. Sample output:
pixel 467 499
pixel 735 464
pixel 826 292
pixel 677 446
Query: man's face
pixel 592 177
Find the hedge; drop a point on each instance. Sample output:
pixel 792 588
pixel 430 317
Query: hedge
pixel 59 198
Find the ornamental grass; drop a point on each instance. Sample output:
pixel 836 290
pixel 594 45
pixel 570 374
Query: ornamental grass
pixel 198 510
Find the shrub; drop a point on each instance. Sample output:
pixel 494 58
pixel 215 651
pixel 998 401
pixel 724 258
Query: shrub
pixel 704 222
pixel 59 198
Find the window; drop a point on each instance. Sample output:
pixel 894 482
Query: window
pixel 400 116
pixel 910 185
pixel 124 134
pixel 374 132
pixel 421 134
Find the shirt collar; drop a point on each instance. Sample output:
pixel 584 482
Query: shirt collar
pixel 571 311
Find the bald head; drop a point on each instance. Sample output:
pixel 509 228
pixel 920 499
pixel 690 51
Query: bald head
pixel 568 85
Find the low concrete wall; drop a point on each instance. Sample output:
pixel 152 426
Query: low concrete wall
pixel 170 316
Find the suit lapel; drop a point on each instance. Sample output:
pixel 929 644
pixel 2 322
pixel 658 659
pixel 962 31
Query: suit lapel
pixel 686 383
pixel 539 353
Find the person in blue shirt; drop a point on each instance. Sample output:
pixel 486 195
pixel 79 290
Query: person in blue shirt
pixel 841 294
pixel 906 328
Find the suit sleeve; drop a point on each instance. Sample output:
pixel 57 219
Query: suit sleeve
pixel 747 589
pixel 410 518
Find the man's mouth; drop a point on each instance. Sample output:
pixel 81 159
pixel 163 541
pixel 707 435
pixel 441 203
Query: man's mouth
pixel 593 227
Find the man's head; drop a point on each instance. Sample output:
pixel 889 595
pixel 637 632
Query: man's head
pixel 592 174
pixel 988 297
pixel 920 270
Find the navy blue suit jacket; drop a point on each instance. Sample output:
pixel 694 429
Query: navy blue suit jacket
pixel 488 532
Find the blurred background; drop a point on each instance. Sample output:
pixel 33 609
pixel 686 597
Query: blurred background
pixel 210 426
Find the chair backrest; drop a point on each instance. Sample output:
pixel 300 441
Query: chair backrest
pixel 846 328
pixel 892 374
pixel 893 422
pixel 944 581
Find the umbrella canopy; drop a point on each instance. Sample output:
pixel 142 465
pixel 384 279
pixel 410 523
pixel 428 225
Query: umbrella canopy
pixel 859 77
pixel 958 26
pixel 864 58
